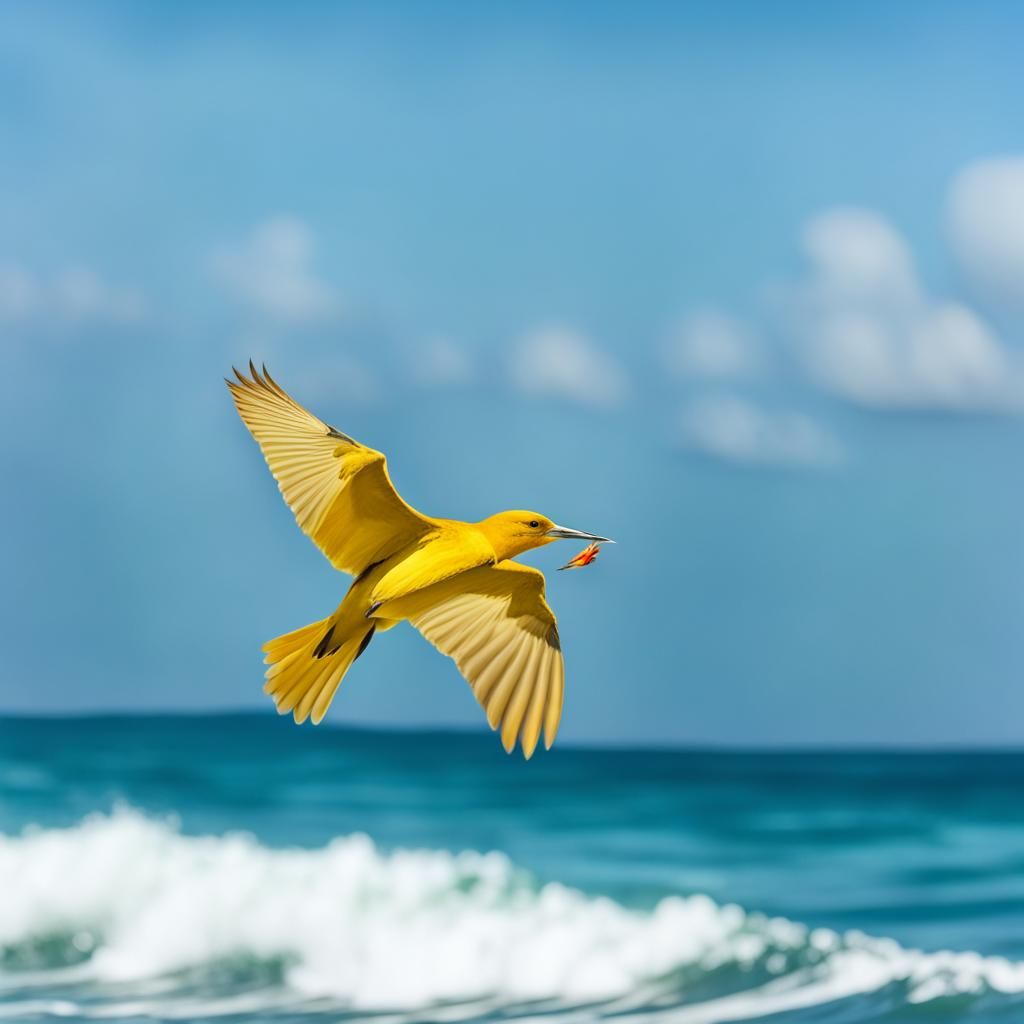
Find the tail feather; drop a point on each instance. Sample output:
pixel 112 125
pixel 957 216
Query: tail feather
pixel 280 647
pixel 295 683
pixel 304 675
pixel 324 698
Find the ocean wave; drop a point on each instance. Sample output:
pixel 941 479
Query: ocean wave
pixel 123 899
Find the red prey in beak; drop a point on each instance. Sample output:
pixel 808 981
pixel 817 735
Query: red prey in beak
pixel 585 557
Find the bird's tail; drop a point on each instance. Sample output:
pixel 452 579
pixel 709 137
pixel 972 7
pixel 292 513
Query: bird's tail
pixel 307 666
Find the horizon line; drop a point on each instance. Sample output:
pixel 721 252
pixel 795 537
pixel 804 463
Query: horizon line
pixel 948 747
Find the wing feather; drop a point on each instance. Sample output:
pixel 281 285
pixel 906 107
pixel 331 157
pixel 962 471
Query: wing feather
pixel 493 673
pixel 553 711
pixel 535 711
pixel 520 698
pixel 339 490
pixel 495 698
pixel 495 623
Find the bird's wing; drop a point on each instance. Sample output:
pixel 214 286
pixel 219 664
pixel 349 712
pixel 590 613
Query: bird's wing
pixel 494 622
pixel 339 490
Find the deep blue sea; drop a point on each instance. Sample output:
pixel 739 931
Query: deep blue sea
pixel 238 868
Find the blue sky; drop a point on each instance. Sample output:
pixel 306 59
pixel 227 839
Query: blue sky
pixel 738 285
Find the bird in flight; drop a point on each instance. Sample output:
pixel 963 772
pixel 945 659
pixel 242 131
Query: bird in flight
pixel 455 582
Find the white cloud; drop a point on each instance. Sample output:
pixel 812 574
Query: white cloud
pixel 439 363
pixel 561 362
pixel 271 271
pixel 857 258
pixel 711 344
pixel 75 297
pixel 985 216
pixel 731 428
pixel 868 332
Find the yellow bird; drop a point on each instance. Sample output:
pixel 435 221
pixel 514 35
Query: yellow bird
pixel 454 581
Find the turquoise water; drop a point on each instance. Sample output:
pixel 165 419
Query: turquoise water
pixel 238 868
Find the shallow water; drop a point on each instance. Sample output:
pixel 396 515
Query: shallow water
pixel 238 868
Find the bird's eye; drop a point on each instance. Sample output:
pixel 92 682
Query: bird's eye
pixel 534 524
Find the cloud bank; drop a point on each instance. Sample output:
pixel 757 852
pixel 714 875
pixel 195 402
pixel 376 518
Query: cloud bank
pixel 711 344
pixel 733 429
pixel 985 219
pixel 561 363
pixel 867 331
pixel 271 273
pixel 75 297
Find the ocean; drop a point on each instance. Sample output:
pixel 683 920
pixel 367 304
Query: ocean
pixel 238 868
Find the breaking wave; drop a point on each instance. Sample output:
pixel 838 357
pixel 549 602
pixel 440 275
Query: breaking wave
pixel 127 902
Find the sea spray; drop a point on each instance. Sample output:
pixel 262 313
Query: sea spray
pixel 135 900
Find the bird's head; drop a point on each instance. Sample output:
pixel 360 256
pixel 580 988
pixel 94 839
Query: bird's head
pixel 512 533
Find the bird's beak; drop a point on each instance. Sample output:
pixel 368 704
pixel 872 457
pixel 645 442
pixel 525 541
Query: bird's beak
pixel 564 533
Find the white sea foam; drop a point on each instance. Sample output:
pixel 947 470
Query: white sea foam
pixel 139 901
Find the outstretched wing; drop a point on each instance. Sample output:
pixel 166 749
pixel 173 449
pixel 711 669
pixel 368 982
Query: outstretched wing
pixel 494 622
pixel 339 490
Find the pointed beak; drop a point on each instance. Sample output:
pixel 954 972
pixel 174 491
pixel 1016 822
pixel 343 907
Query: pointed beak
pixel 564 533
